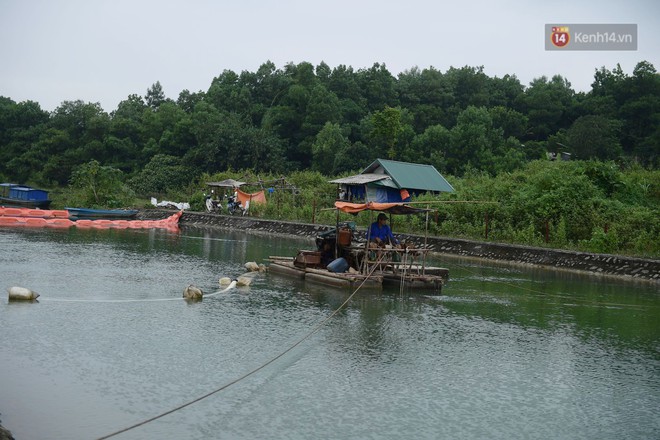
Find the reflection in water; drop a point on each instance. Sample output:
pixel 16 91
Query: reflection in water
pixel 504 352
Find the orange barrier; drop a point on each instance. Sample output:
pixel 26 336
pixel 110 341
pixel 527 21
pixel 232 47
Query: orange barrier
pixel 31 221
pixel 15 212
pixel 9 221
pixel 83 223
pixel 59 223
pixel 29 212
pixel 171 222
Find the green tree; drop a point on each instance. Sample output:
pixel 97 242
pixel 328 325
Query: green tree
pixel 351 157
pixel 76 130
pixel 429 147
pixel 155 95
pixel 377 85
pixel 594 137
pixel 21 125
pixel 329 142
pixel 323 107
pixel 225 93
pixel 386 130
pixel 511 122
pixel 428 95
pixel 470 86
pixel 548 105
pixel 505 91
pixel 100 186
pixel 187 100
pixel 163 173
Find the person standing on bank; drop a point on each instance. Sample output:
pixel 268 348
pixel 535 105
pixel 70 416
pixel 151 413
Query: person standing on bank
pixel 380 232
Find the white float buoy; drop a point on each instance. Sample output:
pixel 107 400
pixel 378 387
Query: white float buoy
pixel 243 281
pixel 192 292
pixel 224 281
pixel 21 294
pixel 252 266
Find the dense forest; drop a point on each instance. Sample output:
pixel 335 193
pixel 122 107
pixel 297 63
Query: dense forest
pixel 334 121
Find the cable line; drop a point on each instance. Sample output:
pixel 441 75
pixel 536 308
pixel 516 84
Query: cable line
pixel 250 373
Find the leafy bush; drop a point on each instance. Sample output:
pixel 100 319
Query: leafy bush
pixel 96 186
pixel 197 201
pixel 162 174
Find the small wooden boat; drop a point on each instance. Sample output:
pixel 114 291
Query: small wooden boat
pixel 402 266
pixel 86 213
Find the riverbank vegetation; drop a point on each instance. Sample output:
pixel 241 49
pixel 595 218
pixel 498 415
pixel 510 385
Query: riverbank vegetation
pixel 491 137
pixel 589 206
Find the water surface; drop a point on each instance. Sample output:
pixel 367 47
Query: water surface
pixel 502 353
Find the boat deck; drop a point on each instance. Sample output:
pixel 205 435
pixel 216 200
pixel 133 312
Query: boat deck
pixel 284 265
pixel 429 279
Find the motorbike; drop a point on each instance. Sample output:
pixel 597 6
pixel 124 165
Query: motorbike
pixel 212 205
pixel 235 207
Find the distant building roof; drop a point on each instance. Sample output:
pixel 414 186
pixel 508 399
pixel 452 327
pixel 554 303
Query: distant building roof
pixel 227 183
pixel 409 175
pixel 361 179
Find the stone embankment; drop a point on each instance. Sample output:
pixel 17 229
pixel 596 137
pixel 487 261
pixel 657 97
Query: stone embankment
pixel 602 264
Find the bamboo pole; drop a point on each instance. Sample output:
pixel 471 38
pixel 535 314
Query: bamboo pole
pixel 426 234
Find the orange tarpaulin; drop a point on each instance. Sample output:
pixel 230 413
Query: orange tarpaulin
pixel 258 197
pixel 354 208
pixel 393 208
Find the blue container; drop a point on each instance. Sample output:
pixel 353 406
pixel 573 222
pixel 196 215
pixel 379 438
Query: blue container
pixel 339 265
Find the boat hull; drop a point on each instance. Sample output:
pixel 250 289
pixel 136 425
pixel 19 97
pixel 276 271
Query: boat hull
pixel 86 213
pixel 322 276
pixel 430 282
pixel 16 203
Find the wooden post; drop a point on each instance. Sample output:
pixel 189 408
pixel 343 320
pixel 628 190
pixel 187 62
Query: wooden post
pixel 486 232
pixel 547 231
pixel 337 235
pixel 426 235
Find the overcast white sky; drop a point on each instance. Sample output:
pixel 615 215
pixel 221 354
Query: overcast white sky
pixel 104 50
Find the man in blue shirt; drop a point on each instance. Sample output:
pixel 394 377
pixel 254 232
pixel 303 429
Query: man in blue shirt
pixel 380 232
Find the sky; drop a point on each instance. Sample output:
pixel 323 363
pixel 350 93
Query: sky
pixel 102 51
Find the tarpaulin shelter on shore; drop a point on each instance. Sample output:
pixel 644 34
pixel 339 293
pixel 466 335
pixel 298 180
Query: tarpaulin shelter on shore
pixel 391 181
pixel 242 196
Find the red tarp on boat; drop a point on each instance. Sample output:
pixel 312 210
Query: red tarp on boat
pixel 392 208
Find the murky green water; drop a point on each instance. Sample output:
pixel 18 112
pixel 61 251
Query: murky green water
pixel 503 353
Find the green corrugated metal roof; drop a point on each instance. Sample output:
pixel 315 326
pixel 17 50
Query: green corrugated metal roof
pixel 411 175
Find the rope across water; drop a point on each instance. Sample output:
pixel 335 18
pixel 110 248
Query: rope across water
pixel 315 329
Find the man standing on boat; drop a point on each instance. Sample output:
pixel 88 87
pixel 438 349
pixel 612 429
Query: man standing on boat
pixel 380 232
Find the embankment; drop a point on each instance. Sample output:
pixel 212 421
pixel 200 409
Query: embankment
pixel 601 264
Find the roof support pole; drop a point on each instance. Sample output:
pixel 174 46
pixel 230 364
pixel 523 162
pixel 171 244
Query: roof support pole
pixel 426 234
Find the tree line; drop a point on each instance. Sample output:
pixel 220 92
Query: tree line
pixel 489 136
pixel 334 121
